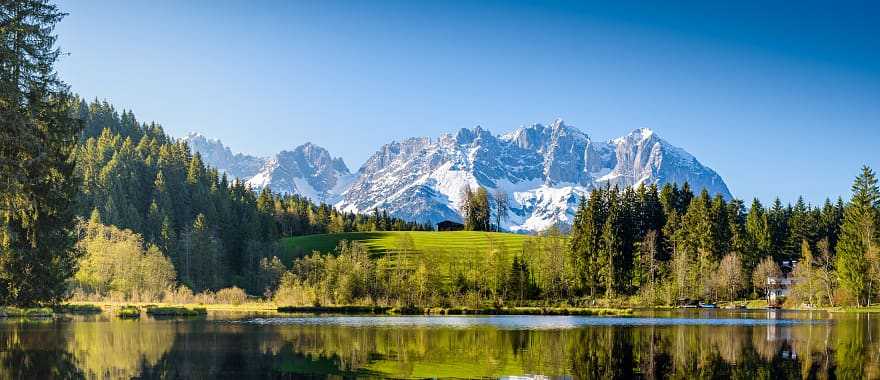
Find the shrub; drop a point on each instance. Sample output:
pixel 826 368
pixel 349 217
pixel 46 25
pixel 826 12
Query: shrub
pixel 129 311
pixel 79 309
pixel 204 298
pixel 293 292
pixel 175 311
pixel 9 311
pixel 180 294
pixel 232 296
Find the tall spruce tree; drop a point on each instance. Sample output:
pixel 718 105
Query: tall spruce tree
pixel 858 238
pixel 777 221
pixel 38 135
pixel 759 241
pixel 612 245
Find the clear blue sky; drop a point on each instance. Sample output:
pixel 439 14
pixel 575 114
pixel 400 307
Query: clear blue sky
pixel 780 99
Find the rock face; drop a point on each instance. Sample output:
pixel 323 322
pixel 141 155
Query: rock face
pixel 307 170
pixel 221 157
pixel 544 170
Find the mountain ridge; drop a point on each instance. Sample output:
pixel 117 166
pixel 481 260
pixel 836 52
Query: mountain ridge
pixel 543 169
pixel 308 169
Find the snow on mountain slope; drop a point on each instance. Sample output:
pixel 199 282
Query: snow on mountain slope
pixel 216 154
pixel 543 169
pixel 307 170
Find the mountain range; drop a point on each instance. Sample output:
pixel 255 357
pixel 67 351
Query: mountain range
pixel 542 169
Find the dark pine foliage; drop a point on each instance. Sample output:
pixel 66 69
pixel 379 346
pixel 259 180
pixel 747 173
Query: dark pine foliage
pixel 37 139
pixel 610 233
pixel 215 230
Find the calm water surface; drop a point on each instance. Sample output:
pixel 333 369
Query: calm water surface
pixel 681 344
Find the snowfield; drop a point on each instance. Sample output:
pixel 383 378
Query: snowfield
pixel 543 170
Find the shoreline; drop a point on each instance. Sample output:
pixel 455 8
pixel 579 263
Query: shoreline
pixel 86 308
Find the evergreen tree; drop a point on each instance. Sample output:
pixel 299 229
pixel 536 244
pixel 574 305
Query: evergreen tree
pixel 476 209
pixel 613 246
pixel 858 238
pixel 577 242
pixel 802 226
pixel 777 221
pixel 502 205
pixel 202 257
pixel 758 231
pixel 597 209
pixel 830 219
pixel 38 135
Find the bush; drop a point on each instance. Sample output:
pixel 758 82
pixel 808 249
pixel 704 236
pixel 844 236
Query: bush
pixel 293 292
pixel 231 296
pixel 25 312
pixel 175 311
pixel 129 311
pixel 204 298
pixel 180 294
pixel 79 309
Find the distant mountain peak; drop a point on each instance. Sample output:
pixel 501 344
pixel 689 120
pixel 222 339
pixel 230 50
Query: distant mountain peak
pixel 544 169
pixel 307 169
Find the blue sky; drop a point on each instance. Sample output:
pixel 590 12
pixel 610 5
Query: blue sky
pixel 780 98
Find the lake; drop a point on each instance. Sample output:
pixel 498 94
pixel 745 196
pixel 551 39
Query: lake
pixel 675 344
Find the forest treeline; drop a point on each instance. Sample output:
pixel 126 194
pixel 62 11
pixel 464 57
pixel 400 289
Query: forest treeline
pixel 672 244
pixel 90 197
pixel 637 246
pixel 63 162
pixel 215 231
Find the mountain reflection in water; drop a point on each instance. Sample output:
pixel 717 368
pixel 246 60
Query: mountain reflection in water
pixel 653 345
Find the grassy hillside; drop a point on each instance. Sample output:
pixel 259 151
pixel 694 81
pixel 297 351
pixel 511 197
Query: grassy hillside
pixel 447 245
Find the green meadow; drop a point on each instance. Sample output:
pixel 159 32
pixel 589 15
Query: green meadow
pixel 447 246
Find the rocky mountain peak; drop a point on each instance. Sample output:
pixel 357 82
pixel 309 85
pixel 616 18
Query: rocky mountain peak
pixel 544 170
pixel 308 169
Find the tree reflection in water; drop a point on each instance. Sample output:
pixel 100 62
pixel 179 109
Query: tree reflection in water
pixel 109 348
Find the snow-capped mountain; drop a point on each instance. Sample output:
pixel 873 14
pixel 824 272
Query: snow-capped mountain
pixel 307 170
pixel 216 154
pixel 544 170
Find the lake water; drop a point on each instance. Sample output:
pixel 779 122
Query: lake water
pixel 681 344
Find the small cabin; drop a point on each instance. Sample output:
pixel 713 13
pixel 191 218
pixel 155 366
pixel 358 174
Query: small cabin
pixel 448 225
pixel 779 288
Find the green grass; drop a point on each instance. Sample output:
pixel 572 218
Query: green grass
pixel 128 311
pixel 78 308
pixel 852 309
pixel 175 311
pixel 10 311
pixel 447 246
pixel 455 310
pixel 531 311
pixel 334 309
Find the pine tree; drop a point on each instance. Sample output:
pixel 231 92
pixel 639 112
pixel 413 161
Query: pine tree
pixel 777 222
pixel 597 213
pixel 858 239
pixel 502 205
pixel 612 246
pixel 758 231
pixel 802 226
pixel 38 138
pixel 577 242
pixel 830 219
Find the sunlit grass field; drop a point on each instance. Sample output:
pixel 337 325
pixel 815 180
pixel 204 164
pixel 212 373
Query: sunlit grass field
pixel 446 246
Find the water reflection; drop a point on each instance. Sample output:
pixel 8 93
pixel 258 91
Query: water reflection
pixel 838 346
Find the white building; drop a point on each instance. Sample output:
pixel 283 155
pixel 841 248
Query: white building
pixel 779 288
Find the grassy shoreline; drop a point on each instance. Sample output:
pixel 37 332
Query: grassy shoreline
pixel 34 312
pixel 384 310
pixel 127 309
